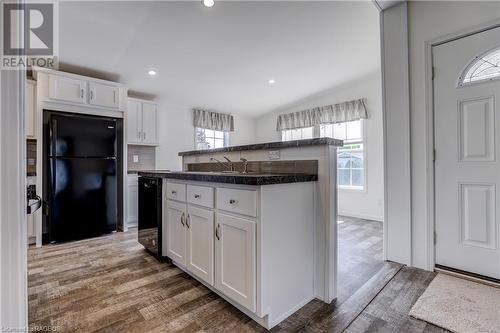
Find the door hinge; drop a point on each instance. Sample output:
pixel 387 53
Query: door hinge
pixel 434 155
pixel 435 238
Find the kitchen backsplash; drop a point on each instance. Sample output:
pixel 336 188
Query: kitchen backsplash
pixel 146 157
pixel 272 167
pixel 31 157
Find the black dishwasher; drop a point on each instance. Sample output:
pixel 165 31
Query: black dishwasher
pixel 150 214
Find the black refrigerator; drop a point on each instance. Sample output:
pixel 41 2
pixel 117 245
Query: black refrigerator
pixel 80 175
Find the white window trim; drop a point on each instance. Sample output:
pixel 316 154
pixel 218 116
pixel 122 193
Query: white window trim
pixel 348 188
pixel 226 139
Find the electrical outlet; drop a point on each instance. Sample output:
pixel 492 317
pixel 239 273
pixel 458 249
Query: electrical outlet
pixel 136 158
pixel 274 155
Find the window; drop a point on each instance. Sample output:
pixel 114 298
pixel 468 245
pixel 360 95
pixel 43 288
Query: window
pixel 297 134
pixel 210 139
pixel 350 157
pixel 483 68
pixel 351 131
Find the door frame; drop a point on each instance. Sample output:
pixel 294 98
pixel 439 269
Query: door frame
pixel 429 119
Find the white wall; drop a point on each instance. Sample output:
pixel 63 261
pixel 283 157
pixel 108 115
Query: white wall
pixel 367 204
pixel 244 131
pixel 177 134
pixel 429 20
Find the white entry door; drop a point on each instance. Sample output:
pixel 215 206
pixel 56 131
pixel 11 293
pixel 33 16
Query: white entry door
pixel 467 143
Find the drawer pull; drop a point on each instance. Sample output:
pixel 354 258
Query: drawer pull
pixel 174 192
pixel 232 201
pixel 197 196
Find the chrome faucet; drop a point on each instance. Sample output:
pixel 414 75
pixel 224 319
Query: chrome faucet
pixel 245 164
pixel 229 165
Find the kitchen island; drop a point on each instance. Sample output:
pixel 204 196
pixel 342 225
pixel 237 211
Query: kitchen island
pixel 257 228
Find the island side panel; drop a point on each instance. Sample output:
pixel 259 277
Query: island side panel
pixel 287 241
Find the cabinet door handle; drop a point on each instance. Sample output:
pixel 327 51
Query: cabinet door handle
pixel 197 196
pixel 81 92
pixel 138 134
pixel 182 220
pixel 114 97
pixel 91 94
pixel 188 221
pixel 217 231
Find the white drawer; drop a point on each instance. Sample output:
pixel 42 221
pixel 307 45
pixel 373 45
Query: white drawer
pixel 200 195
pixel 237 201
pixel 176 191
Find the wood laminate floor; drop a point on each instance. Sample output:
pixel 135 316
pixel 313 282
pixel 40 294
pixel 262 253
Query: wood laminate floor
pixel 110 284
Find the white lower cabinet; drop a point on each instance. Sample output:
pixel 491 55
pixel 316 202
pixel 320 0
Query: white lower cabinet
pixel 132 200
pixel 235 258
pixel 252 245
pixel 200 243
pixel 190 238
pixel 31 229
pixel 176 232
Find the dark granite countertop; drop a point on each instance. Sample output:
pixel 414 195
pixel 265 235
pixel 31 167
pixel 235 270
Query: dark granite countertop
pixel 231 178
pixel 269 145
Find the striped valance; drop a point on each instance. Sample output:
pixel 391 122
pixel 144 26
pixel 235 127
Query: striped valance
pixel 213 120
pixel 328 114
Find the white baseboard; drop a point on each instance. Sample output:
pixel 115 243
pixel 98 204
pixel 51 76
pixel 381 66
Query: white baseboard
pixel 362 216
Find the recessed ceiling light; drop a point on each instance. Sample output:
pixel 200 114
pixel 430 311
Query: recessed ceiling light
pixel 208 3
pixel 271 81
pixel 152 72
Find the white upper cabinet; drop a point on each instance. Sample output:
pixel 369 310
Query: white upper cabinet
pixel 67 89
pixel 149 123
pixel 134 122
pixel 78 93
pixel 142 122
pixel 30 109
pixel 103 95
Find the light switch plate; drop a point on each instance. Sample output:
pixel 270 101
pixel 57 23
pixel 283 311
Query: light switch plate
pixel 274 155
pixel 136 158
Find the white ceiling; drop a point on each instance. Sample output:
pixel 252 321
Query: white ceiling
pixel 221 58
